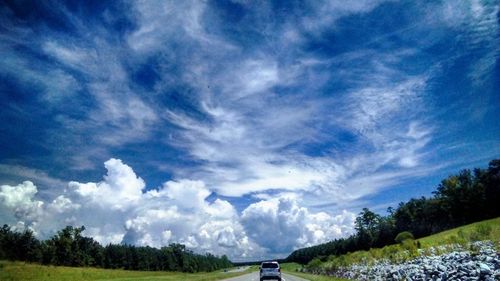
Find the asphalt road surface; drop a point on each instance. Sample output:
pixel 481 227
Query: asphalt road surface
pixel 254 276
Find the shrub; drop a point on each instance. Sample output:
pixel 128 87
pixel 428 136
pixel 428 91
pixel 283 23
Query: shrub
pixel 405 235
pixel 411 247
pixel 376 253
pixel 315 264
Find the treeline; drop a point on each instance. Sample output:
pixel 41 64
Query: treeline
pixel 69 248
pixel 466 197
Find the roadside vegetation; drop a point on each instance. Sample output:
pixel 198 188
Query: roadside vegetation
pixel 313 277
pixel 69 248
pixel 21 271
pixel 295 269
pixel 409 249
pixel 466 197
pixel 403 234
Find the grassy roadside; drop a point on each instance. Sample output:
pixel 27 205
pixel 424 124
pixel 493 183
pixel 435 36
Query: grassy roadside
pixel 291 268
pixel 313 277
pixel 484 230
pixel 19 271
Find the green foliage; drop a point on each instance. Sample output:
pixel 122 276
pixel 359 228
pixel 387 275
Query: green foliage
pixel 409 249
pixel 69 248
pixel 410 246
pixel 18 246
pixel 314 264
pixel 402 236
pixel 460 199
pixel 315 277
pixel 483 230
pixel 291 266
pixel 391 252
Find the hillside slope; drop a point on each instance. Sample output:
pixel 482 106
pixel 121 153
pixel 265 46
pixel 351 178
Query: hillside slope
pixel 455 246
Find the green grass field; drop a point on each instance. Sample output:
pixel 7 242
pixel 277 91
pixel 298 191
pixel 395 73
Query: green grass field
pixel 19 271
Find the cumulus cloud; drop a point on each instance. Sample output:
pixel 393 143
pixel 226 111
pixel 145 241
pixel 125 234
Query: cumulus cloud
pixel 20 200
pixel 118 209
pixel 281 225
pixel 63 204
pixel 185 193
pixel 120 189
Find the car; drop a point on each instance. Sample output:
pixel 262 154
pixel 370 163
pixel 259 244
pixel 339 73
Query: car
pixel 270 270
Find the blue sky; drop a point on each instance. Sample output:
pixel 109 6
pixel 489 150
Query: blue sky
pixel 221 123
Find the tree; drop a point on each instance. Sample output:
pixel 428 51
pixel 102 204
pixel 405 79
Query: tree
pixel 459 199
pixel 69 247
pixel 402 236
pixel 367 228
pixel 28 247
pixel 491 181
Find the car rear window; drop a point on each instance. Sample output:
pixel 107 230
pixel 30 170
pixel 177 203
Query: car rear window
pixel 270 265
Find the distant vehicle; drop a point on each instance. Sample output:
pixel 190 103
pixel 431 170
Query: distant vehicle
pixel 270 270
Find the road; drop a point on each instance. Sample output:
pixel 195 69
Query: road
pixel 254 276
pixel 239 269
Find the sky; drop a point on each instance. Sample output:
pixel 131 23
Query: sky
pixel 244 128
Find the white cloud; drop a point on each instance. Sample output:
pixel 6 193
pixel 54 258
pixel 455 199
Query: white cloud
pixel 73 56
pixel 117 210
pixel 18 195
pixel 179 212
pixel 280 224
pixel 85 79
pixel 324 14
pixel 120 189
pixel 14 172
pixel 244 148
pixel 185 193
pixel 20 200
pixel 371 108
pixel 56 84
pixel 120 114
pixel 253 77
pixel 252 138
pixel 160 21
pixel 63 204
